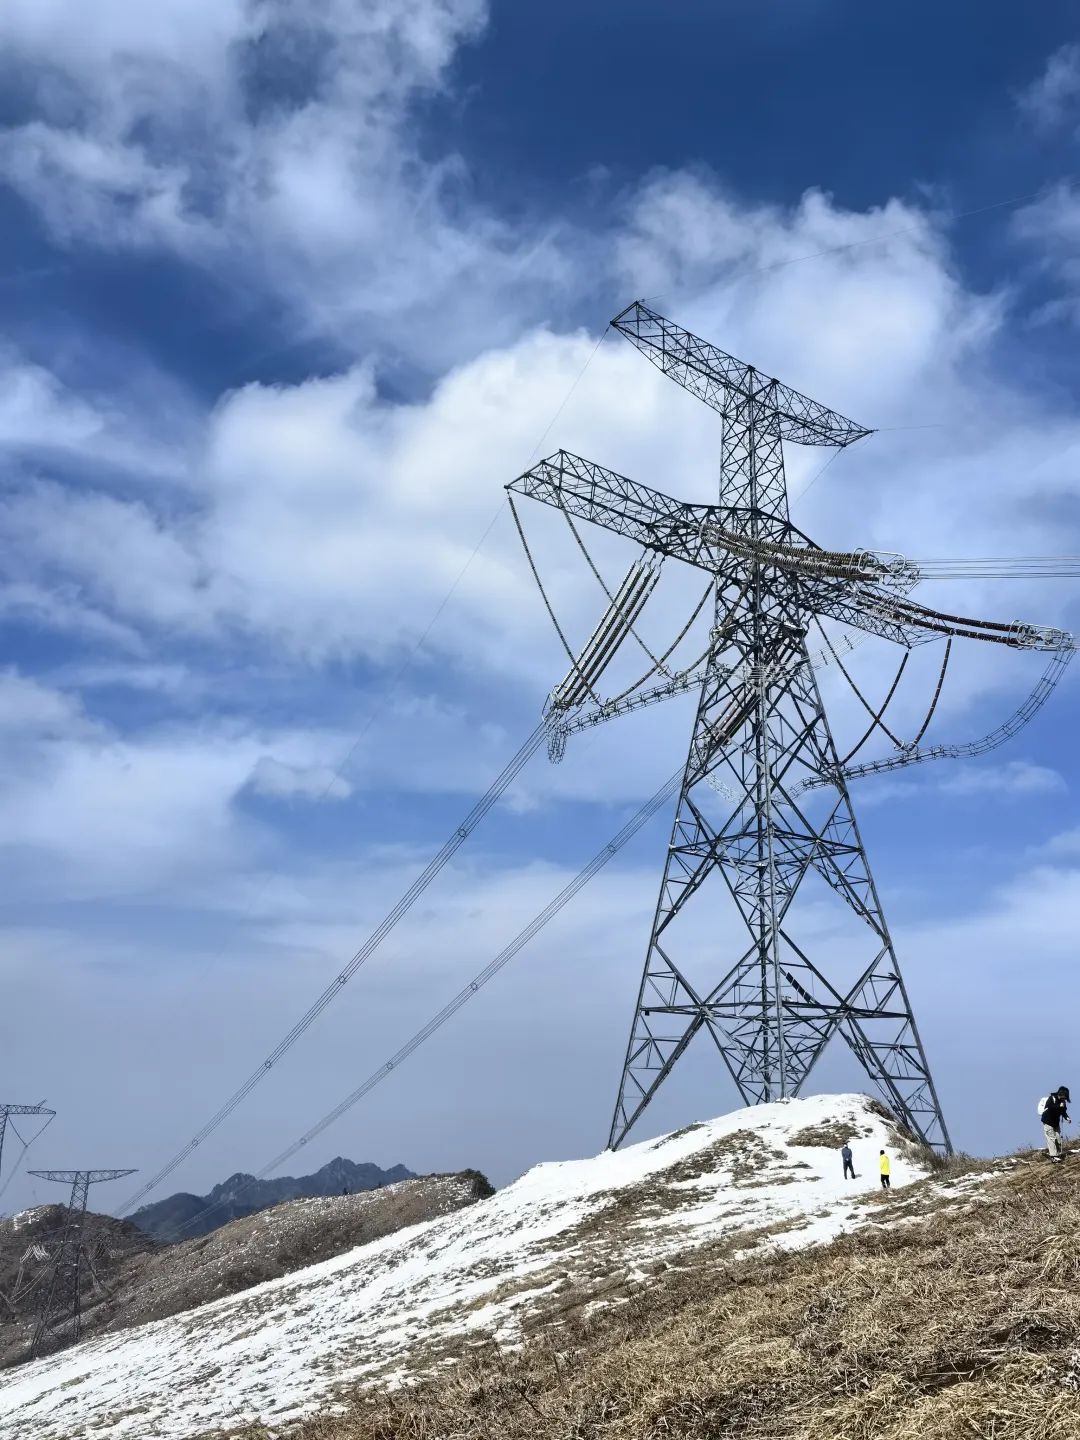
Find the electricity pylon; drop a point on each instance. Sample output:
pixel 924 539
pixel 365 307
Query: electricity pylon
pixel 764 803
pixel 59 1319
pixel 6 1111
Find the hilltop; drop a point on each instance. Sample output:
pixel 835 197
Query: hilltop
pixel 574 1254
pixel 136 1281
pixel 184 1216
pixel 953 1315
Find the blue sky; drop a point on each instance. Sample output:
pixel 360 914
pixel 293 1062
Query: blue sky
pixel 289 293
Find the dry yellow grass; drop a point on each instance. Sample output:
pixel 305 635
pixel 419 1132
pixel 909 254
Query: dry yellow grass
pixel 964 1322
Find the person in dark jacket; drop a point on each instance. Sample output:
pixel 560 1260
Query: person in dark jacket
pixel 1054 1111
pixel 849 1167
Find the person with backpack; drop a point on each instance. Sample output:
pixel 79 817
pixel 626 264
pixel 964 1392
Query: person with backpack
pixel 849 1165
pixel 1053 1109
pixel 886 1172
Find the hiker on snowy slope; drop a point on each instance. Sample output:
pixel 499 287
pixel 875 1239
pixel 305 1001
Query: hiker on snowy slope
pixel 886 1172
pixel 849 1165
pixel 1053 1109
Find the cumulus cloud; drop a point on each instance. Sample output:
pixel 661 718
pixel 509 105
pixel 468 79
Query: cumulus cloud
pixel 331 520
pixel 326 521
pixel 275 142
pixel 43 417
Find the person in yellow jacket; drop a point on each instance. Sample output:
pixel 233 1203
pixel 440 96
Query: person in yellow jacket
pixel 886 1172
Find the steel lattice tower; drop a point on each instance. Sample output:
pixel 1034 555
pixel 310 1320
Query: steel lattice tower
pixel 60 1315
pixel 763 805
pixel 6 1111
pixel 774 1009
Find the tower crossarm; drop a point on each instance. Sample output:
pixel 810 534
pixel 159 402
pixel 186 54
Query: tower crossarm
pixel 893 617
pixel 865 609
pixel 700 535
pixel 70 1177
pixel 588 491
pixel 727 385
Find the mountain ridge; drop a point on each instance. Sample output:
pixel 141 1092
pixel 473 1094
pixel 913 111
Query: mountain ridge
pixel 132 1280
pixel 181 1216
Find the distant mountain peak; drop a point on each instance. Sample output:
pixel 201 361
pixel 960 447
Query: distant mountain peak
pixel 181 1217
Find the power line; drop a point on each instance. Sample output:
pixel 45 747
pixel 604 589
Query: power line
pixel 449 848
pixel 1000 567
pixel 581 879
pixel 380 707
pixel 26 1146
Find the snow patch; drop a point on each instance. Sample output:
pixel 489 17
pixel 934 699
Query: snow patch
pixel 400 1305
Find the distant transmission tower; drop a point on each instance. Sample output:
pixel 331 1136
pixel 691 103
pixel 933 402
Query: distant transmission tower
pixel 6 1112
pixel 764 804
pixel 60 1314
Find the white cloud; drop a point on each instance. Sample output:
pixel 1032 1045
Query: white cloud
pixel 35 409
pixel 275 143
pixel 133 562
pixel 97 812
pixel 191 33
pixel 114 816
pixel 28 707
pixel 324 520
pixel 1004 777
pixel 40 414
pixel 1051 228
pixel 332 520
pixel 294 782
pixel 1052 99
pixel 55 606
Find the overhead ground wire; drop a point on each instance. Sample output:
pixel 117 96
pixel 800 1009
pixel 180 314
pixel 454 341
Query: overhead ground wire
pixel 464 995
pixel 450 847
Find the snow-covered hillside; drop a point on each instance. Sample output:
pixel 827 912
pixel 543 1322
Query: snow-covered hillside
pixel 562 1233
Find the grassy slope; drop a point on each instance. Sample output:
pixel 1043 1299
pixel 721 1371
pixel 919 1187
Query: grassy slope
pixel 954 1319
pixel 148 1282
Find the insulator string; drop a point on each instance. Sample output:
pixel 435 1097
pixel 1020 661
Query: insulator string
pixel 547 603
